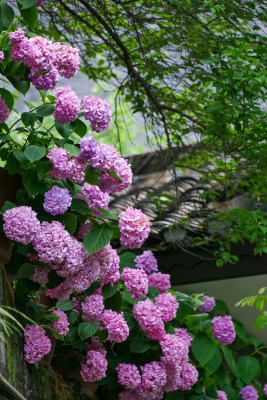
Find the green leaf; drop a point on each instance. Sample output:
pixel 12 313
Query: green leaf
pixel 80 128
pixel 139 345
pixel 63 130
pixel 8 205
pixel 72 150
pixel 203 349
pixel 114 175
pixel 127 260
pixel 21 157
pixel 44 110
pixel 8 97
pixel 87 329
pixel 80 206
pixel 54 280
pixel 109 291
pixel 248 368
pixel 28 118
pixel 214 363
pixel 228 355
pixel 72 336
pixel 108 215
pixel 73 317
pixel 65 305
pixel 12 164
pixel 6 16
pixel 26 270
pixel 34 153
pixel 91 177
pixel 114 303
pixel 26 3
pixel 98 238
pixel 69 220
pixel 21 85
pixel 264 364
pixel 30 16
pixel 220 375
pixel 43 167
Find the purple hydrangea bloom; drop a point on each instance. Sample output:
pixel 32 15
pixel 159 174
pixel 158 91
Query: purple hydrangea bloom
pixel 249 393
pixel 104 157
pixel 61 292
pixel 16 36
pixel 147 262
pixel 97 112
pixel 61 325
pixel 57 200
pixel 112 275
pixel 94 197
pixel 208 305
pixel 223 329
pixel 128 375
pixel 134 226
pixel 160 281
pixel 174 349
pixel 149 318
pixel 84 228
pixel 4 111
pixel 37 344
pixel 2 56
pixel 22 51
pixel 92 307
pixel 182 334
pixel 173 371
pixel 67 105
pixel 189 376
pixel 95 366
pixel 85 275
pixel 42 55
pixel 21 224
pixel 67 60
pixel 168 306
pixel 112 185
pixel 221 395
pixel 136 282
pixel 40 275
pixel 60 160
pixel 40 3
pixel 265 390
pixel 45 82
pixel 117 327
pixel 153 380
pixel 88 146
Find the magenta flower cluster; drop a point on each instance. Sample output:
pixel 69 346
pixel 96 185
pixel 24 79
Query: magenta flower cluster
pixel 208 305
pixel 21 224
pixel 96 110
pixel 40 275
pixel 95 366
pixel 149 318
pixel 160 281
pixel 168 306
pixel 128 375
pixel 57 200
pixel 67 105
pixel 174 349
pixel 94 197
pixel 88 146
pixel 265 390
pixel 147 261
pixel 134 227
pixel 136 282
pixel 223 329
pixel 4 111
pixel 37 344
pixel 65 167
pixel 221 395
pixel 92 307
pixel 61 325
pixel 2 56
pixel 249 393
pixel 117 327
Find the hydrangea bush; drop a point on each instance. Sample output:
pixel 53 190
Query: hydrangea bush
pixel 113 311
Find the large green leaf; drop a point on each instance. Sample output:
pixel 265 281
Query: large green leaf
pixel 80 206
pixel 65 305
pixel 87 329
pixel 127 260
pixel 8 97
pixel 34 153
pixel 30 16
pixel 203 349
pixel 6 16
pixel 139 345
pixel 109 291
pixel 26 270
pixel 228 355
pixel 26 3
pixel 248 368
pixel 213 364
pixel 98 238
pixel 44 110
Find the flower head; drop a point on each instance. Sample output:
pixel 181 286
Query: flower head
pixel 88 146
pixel 136 282
pixel 221 395
pixel 94 197
pixel 149 318
pixel 249 393
pixel 67 60
pixel 147 262
pixel 223 329
pixel 95 366
pixel 208 305
pixel 189 376
pixel 4 111
pixel 128 375
pixel 153 380
pixel 45 82
pixel 112 185
pixel 67 105
pixel 97 112
pixel 21 224
pixel 37 344
pixel 168 306
pixel 134 227
pixel 160 281
pixel 117 327
pixel 174 349
pixel 92 307
pixel 57 200
pixel 61 325
pixel 16 36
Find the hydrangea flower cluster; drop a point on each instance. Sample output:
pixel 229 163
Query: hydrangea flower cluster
pixel 128 375
pixel 173 371
pixel 40 275
pixel 21 224
pixel 134 227
pixel 265 390
pixel 208 305
pixel 97 112
pixel 221 395
pixel 4 111
pixel 88 146
pixel 77 305
pixel 66 168
pixel 249 393
pixel 37 344
pixel 61 292
pixel 67 105
pixel 153 380
pixel 61 325
pixel 182 334
pixel 95 366
pixel 57 200
pixel 136 282
pixel 160 281
pixel 168 306
pixel 2 56
pixel 189 376
pixel 117 327
pixel 84 276
pixel 84 228
pixel 46 60
pixel 174 349
pixel 112 185
pixel 94 197
pixel 149 318
pixel 92 307
pixel 223 329
pixel 147 261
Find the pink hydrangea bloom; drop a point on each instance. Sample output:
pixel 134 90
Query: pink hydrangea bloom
pixel 168 306
pixel 149 318
pixel 84 228
pixel 97 112
pixel 67 105
pixel 112 185
pixel 249 393
pixel 4 111
pixel 88 146
pixel 61 325
pixel 153 380
pixel 61 292
pixel 22 51
pixel 21 224
pixel 57 200
pixel 223 329
pixel 130 395
pixel 45 82
pixel 40 275
pixel 94 197
pixel 112 275
pixel 77 172
pixel 32 257
pixel 77 305
pixel 95 366
pixel 134 227
pixel 42 55
pixel 2 56
pixel 265 390
pixel 92 307
pixel 60 160
pixel 174 349
pixel 208 305
pixel 160 281
pixel 182 334
pixel 117 327
pixel 37 344
pixel 136 282
pixel 128 375
pixel 104 157
pixel 16 36
pixel 85 276
pixel 74 259
pixel 221 395
pixel 96 345
pixel 104 258
pixel 67 60
pixel 173 371
pixel 189 376
pixel 147 262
